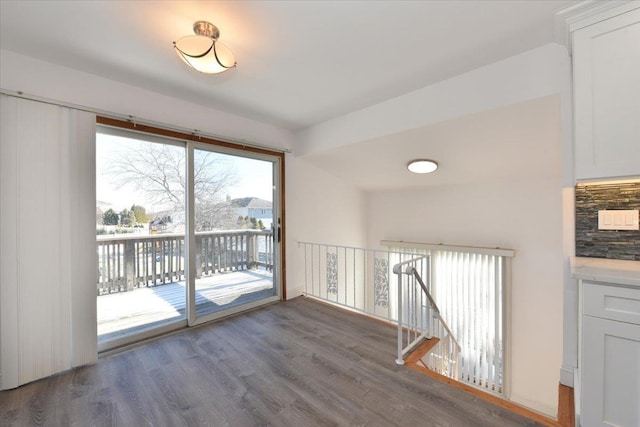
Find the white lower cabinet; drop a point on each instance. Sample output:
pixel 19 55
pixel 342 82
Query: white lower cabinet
pixel 610 372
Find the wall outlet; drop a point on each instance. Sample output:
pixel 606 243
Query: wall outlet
pixel 619 219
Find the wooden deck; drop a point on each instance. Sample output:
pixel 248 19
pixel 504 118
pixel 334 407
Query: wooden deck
pixel 141 308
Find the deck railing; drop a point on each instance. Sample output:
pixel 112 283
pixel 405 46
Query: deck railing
pixel 127 262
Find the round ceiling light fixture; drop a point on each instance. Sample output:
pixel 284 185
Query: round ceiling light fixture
pixel 203 52
pixel 422 166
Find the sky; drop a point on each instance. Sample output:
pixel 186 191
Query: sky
pixel 253 177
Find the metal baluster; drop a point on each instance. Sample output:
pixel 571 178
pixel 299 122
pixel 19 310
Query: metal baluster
pixel 345 276
pixel 399 359
pixel 364 280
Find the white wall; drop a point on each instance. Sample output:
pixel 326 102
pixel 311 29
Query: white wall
pixel 474 213
pixel 320 209
pixel 521 215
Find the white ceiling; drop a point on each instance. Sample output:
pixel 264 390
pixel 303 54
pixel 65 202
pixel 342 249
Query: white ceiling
pixel 510 143
pixel 299 62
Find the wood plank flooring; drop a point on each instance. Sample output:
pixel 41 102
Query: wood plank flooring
pixel 296 363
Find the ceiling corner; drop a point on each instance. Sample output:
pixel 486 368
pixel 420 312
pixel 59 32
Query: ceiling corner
pixel 584 13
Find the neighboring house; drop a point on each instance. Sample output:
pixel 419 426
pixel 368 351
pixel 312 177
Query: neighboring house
pixel 167 222
pixel 253 207
pixel 159 225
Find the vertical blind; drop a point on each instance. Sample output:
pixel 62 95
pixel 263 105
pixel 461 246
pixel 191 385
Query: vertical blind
pixel 469 286
pixel 47 240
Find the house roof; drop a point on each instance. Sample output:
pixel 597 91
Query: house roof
pixel 252 202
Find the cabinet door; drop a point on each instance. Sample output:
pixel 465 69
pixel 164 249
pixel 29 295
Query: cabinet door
pixel 606 60
pixel 610 373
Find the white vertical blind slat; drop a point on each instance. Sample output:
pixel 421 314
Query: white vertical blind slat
pixel 9 242
pixel 82 260
pixel 65 223
pixel 490 325
pixel 481 318
pixel 485 319
pixel 474 317
pixel 467 307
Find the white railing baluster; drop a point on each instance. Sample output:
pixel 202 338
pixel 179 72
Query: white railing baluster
pixel 363 282
pixel 346 288
pixel 400 359
pixel 389 288
pixel 319 264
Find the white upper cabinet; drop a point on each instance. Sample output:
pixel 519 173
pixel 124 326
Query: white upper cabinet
pixel 606 69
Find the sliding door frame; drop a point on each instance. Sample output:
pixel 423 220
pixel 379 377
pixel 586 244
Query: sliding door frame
pixel 278 281
pixel 191 142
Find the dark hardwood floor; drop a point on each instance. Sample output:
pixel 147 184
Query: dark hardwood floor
pixel 297 363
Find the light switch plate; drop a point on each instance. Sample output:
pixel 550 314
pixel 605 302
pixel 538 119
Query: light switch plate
pixel 619 219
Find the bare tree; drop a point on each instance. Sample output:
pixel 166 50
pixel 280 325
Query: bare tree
pixel 158 171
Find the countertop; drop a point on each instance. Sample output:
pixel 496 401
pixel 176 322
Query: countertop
pixel 606 270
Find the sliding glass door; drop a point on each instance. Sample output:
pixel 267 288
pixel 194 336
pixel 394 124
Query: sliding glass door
pixel 186 232
pixel 140 233
pixel 234 231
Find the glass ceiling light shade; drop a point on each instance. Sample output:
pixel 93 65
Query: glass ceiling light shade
pixel 203 52
pixel 422 166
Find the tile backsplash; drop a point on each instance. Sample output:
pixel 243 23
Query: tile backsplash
pixel 612 244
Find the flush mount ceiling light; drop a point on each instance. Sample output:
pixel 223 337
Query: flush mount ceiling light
pixel 422 166
pixel 203 52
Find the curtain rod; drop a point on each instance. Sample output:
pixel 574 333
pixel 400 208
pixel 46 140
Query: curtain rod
pixel 444 247
pixel 138 120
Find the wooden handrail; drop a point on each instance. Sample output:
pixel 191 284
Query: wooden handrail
pixel 132 236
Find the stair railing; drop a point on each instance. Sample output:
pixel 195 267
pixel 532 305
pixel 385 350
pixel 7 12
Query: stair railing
pixel 419 318
pixel 357 279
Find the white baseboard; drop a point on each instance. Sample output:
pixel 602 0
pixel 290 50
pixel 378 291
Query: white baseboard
pixel 293 292
pixel 546 410
pixel 566 376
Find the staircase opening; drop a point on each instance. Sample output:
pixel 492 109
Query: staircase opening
pixel 448 302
